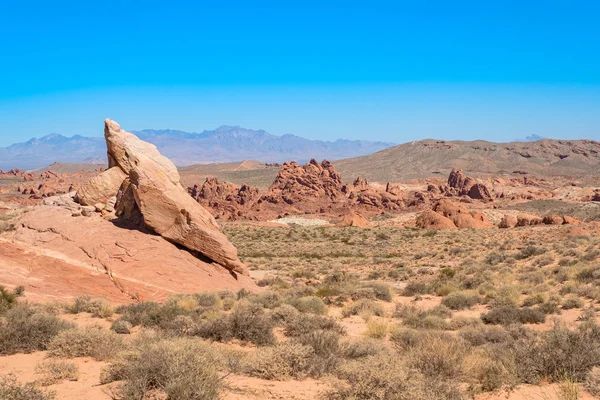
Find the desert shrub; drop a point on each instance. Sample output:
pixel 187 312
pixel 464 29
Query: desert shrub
pixel 249 322
pixel 414 288
pixel 510 315
pixel 480 335
pixel 216 327
pixel 571 301
pixel 438 356
pixel 138 313
pixel 504 296
pixel 11 389
pixel 558 354
pixel 88 305
pixel 550 306
pixel 181 368
pixel 268 299
pixel 404 338
pixel 182 325
pixel 363 307
pixel 91 341
pixel 121 326
pixel 361 348
pixel 284 313
pixel 306 323
pixel 377 328
pixel 386 377
pixel 324 343
pixel 444 289
pixel 534 299
pixel 308 304
pixel 529 251
pixel 381 290
pixel 460 322
pixel 460 300
pixel 495 258
pixel 588 274
pixel 7 299
pixel 592 382
pixel 55 371
pixel 280 362
pixel 210 300
pixel 26 329
pixel 414 317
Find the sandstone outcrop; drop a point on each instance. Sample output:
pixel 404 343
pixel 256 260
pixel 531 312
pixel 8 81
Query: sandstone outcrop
pixel 461 185
pixel 430 219
pixel 59 257
pixel 446 213
pixel 224 199
pixel 461 216
pixel 150 193
pixel 352 218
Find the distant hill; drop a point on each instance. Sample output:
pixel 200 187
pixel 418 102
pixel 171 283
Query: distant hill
pixel 427 158
pixel 224 144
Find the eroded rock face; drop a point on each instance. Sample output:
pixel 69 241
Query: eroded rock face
pixel 430 219
pixel 150 193
pixel 226 200
pixel 450 214
pixel 462 185
pixel 58 257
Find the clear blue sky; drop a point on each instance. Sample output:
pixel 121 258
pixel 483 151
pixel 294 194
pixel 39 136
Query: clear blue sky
pixel 395 71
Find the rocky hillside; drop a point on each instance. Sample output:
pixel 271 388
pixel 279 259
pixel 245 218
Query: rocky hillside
pixel 427 158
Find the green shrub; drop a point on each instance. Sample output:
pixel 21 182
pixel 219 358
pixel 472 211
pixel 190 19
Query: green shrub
pixel 91 341
pixel 460 300
pixel 11 389
pixel 27 329
pixel 181 368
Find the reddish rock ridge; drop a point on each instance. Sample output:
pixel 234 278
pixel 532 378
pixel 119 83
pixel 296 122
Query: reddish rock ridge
pixel 224 199
pixel 312 188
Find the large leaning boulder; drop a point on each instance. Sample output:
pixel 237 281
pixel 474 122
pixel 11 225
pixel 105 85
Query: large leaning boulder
pixel 150 193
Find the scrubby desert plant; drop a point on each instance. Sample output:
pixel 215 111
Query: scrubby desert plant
pixel 363 307
pixel 26 329
pixel 281 362
pixel 55 371
pixel 592 382
pixel 377 328
pixel 122 326
pixel 510 315
pixel 11 389
pixel 460 300
pixel 91 341
pixel 181 368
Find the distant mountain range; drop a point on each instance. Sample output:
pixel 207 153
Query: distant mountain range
pixel 224 144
